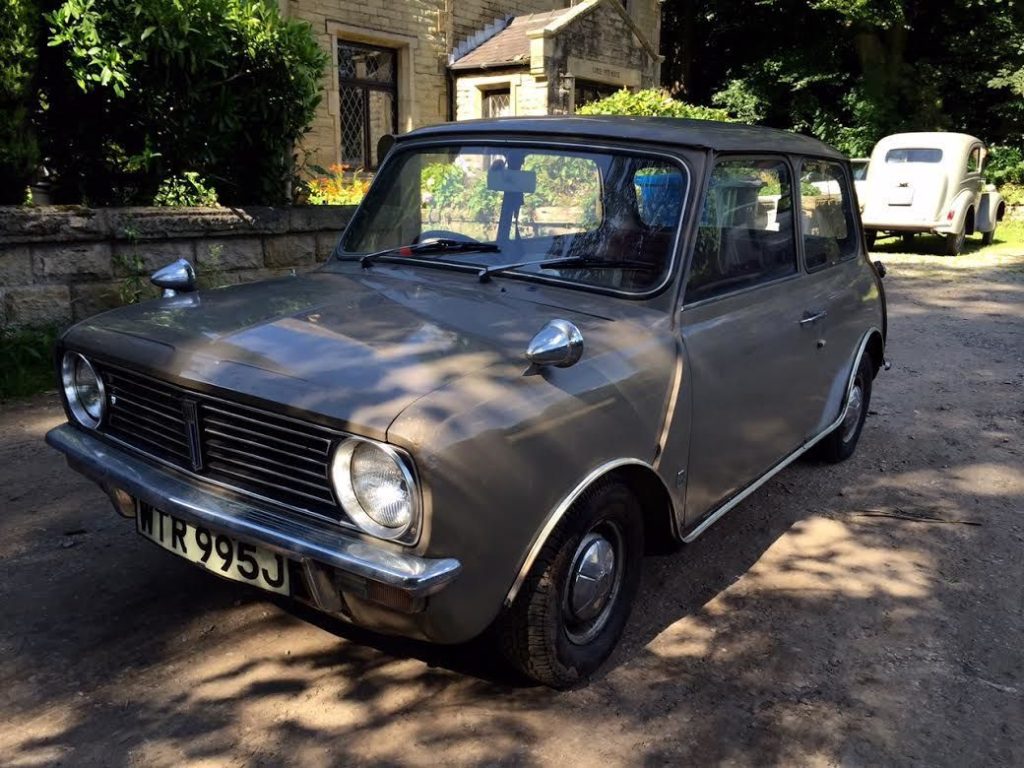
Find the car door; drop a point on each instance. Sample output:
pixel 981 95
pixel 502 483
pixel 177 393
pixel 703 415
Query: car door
pixel 973 181
pixel 744 329
pixel 830 244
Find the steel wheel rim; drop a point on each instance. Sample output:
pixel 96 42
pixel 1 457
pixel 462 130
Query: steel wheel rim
pixel 854 409
pixel 593 582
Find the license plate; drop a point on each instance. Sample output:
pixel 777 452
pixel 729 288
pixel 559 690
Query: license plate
pixel 215 552
pixel 901 196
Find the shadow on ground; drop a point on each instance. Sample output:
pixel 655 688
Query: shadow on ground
pixel 815 624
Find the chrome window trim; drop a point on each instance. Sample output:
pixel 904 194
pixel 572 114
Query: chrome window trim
pixel 559 512
pixel 721 511
pixel 743 291
pixel 848 203
pixel 473 141
pixel 786 160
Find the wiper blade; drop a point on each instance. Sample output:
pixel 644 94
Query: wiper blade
pixel 589 262
pixel 434 245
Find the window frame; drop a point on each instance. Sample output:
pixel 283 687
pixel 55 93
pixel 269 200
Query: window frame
pixel 851 220
pixel 714 158
pixel 686 162
pixel 365 87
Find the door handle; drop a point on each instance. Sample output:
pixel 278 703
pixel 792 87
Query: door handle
pixel 810 317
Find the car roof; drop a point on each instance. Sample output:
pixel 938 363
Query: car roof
pixel 704 134
pixel 924 140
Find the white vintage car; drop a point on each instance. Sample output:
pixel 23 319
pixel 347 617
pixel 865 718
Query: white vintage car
pixel 930 182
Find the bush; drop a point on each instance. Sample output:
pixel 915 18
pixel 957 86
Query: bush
pixel 1013 194
pixel 1005 166
pixel 19 152
pixel 187 190
pixel 337 186
pixel 26 361
pixel 652 102
pixel 139 91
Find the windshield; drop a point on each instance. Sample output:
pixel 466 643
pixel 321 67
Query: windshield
pixel 614 214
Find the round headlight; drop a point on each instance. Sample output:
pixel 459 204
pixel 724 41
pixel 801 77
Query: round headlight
pixel 375 487
pixel 83 389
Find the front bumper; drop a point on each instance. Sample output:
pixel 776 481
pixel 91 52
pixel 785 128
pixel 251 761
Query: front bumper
pixel 355 565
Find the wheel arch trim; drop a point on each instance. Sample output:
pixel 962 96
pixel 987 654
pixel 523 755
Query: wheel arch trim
pixel 559 512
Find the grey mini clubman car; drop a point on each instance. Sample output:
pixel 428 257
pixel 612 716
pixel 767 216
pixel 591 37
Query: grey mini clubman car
pixel 542 348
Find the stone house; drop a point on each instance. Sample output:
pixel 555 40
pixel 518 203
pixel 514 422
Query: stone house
pixel 399 65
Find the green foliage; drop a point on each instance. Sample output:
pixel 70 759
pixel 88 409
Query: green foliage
pixel 189 189
pixel 26 361
pixel 140 91
pixel 853 71
pixel 652 102
pixel 1013 193
pixel 1005 165
pixel 133 286
pixel 19 151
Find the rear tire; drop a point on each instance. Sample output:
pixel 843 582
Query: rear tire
pixel 842 441
pixel 871 236
pixel 955 242
pixel 559 630
pixel 908 239
pixel 987 238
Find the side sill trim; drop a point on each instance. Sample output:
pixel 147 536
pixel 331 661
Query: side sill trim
pixel 712 518
pixel 556 516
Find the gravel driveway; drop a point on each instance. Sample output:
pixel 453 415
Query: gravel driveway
pixel 861 615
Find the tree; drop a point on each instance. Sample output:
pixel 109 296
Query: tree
pixel 19 152
pixel 851 71
pixel 138 91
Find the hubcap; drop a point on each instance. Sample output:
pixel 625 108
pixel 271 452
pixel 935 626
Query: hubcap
pixel 593 583
pixel 592 578
pixel 853 411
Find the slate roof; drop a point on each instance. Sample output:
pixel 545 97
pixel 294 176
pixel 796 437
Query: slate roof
pixel 511 46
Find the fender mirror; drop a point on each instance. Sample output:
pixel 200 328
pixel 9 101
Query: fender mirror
pixel 177 277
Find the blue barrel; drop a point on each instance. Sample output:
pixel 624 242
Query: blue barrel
pixel 661 197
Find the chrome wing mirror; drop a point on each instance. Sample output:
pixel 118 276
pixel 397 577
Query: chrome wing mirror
pixel 558 344
pixel 177 277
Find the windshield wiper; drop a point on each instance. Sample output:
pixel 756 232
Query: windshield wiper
pixel 589 262
pixel 434 245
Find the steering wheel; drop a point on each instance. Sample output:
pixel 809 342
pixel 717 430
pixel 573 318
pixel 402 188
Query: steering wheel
pixel 444 234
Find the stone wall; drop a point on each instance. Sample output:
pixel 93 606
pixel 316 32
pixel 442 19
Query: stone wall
pixel 59 264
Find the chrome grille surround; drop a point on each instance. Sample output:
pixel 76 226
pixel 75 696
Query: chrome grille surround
pixel 248 450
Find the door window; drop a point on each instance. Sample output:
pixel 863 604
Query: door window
pixel 974 160
pixel 746 233
pixel 826 214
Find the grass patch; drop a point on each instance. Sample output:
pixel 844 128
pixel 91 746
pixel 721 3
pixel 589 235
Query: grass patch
pixel 1009 240
pixel 26 361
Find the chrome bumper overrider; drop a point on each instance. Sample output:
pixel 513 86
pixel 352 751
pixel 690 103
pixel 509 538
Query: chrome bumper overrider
pixel 298 539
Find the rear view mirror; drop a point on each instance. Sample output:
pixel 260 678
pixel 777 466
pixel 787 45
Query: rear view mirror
pixel 505 180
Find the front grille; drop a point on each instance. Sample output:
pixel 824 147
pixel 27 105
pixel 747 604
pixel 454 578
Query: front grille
pixel 247 449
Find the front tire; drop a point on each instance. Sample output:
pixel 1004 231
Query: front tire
pixel 842 441
pixel 576 599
